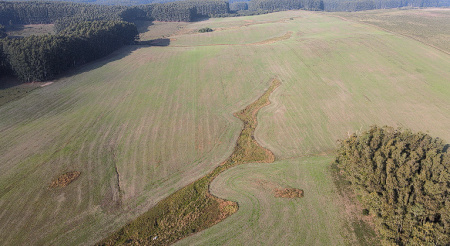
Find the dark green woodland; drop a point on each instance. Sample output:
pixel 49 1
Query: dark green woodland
pixel 403 179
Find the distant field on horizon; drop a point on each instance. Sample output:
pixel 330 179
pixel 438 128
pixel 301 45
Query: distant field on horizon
pixel 146 121
pixel 430 25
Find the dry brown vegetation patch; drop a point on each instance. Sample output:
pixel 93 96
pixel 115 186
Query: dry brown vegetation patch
pixel 65 179
pixel 288 193
pixel 286 36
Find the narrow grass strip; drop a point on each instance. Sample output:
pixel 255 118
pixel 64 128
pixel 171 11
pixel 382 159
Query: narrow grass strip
pixel 193 208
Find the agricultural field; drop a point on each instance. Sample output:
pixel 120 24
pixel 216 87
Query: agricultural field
pixel 430 26
pixel 147 121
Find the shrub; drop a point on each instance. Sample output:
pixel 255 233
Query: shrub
pixel 205 29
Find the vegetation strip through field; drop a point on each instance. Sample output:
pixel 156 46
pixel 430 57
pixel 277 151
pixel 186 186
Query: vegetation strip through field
pixel 193 208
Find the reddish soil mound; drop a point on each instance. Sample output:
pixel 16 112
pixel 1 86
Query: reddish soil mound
pixel 65 179
pixel 288 193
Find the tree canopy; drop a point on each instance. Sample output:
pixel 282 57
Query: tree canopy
pixel 403 179
pixel 39 58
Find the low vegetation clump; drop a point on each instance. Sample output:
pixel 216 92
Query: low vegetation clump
pixel 205 29
pixel 289 193
pixel 403 179
pixel 193 208
pixel 65 179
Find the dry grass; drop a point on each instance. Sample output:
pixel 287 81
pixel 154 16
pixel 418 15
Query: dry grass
pixel 65 179
pixel 193 208
pixel 289 193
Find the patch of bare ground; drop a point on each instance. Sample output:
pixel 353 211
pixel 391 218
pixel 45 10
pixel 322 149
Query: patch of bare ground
pixel 65 179
pixel 46 84
pixel 193 208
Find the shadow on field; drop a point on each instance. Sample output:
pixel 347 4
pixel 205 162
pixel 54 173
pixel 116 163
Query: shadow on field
pixel 155 42
pixel 115 56
pixel 143 25
pixel 8 81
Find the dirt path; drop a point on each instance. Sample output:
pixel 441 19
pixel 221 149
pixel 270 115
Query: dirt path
pixel 193 208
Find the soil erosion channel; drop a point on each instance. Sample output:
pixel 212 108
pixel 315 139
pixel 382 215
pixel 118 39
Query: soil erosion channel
pixel 193 208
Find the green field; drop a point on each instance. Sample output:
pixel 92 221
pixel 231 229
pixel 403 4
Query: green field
pixel 147 121
pixel 430 26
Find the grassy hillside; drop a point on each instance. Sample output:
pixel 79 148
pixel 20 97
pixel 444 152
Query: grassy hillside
pixel 147 121
pixel 430 26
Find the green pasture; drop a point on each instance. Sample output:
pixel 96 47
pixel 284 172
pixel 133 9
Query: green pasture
pixel 263 219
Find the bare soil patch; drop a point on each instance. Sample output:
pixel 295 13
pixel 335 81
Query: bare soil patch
pixel 45 84
pixel 65 179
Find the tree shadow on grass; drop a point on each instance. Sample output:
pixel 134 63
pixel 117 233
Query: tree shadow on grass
pixel 115 56
pixel 155 42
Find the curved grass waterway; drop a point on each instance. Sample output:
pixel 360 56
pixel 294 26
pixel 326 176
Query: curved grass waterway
pixel 193 208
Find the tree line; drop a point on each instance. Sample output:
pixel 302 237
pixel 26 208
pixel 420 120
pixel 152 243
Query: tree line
pixel 38 12
pixel 279 5
pixel 65 13
pixel 39 58
pixel 403 179
pixel 360 5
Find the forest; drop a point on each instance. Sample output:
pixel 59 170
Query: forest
pixel 39 58
pixel 403 179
